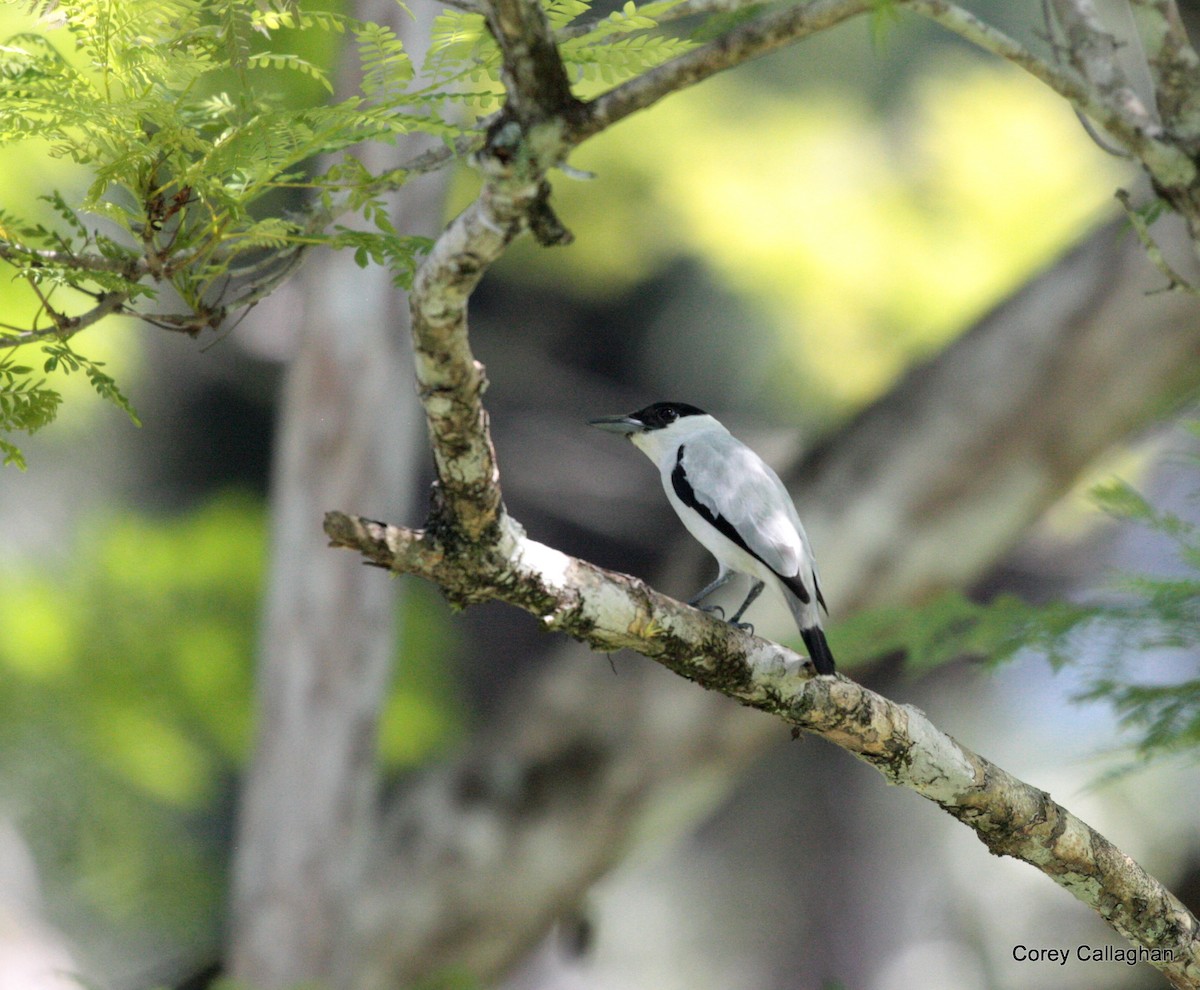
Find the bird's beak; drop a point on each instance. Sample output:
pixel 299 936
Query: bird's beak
pixel 625 425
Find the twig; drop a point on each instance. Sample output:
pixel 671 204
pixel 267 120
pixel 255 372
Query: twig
pixel 763 34
pixel 1128 123
pixel 1088 127
pixel 110 303
pixel 131 269
pixel 686 8
pixel 1175 281
pixel 1093 52
pixel 1174 66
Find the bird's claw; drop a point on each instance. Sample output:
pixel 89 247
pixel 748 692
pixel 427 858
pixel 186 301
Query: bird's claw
pixel 743 626
pixel 710 609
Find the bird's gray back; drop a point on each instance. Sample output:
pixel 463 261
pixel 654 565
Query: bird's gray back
pixel 732 481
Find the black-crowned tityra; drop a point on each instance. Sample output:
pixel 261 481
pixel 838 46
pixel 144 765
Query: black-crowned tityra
pixel 736 506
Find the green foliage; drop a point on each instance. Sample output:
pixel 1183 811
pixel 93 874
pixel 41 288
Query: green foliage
pixel 60 355
pixel 885 14
pixel 951 626
pixel 1147 613
pixel 176 110
pixel 1153 613
pixel 126 683
pixel 198 123
pixel 25 405
pixel 28 402
pixel 621 45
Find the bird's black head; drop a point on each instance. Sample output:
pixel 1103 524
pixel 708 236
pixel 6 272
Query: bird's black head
pixel 654 417
pixel 662 414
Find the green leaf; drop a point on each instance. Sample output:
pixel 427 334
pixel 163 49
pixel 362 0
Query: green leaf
pixel 884 15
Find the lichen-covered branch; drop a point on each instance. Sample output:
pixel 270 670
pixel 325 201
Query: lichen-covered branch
pixel 523 144
pixel 1097 89
pixel 1174 67
pixel 610 611
pixel 535 78
pixel 1092 51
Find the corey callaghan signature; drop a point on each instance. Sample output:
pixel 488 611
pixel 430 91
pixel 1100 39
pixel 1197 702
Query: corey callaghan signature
pixel 1060 956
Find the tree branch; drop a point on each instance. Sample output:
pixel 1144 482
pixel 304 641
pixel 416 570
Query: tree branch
pixel 1093 53
pixel 764 34
pixel 450 381
pixel 535 78
pixel 64 328
pixel 1099 93
pixel 130 269
pixel 474 551
pixel 609 611
pixel 964 451
pixel 1174 67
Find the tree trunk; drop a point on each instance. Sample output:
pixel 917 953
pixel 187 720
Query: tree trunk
pixel 350 433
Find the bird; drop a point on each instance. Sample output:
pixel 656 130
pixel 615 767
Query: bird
pixel 735 505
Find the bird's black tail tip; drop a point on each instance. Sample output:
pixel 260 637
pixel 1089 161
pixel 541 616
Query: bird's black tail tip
pixel 818 649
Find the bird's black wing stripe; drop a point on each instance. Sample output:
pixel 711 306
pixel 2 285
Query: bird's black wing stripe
pixel 687 495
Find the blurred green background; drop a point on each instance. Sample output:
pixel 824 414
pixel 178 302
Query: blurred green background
pixel 817 221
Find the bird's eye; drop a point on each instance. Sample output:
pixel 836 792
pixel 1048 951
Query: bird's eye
pixel 670 414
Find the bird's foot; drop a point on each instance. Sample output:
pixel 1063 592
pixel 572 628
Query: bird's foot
pixel 743 626
pixel 710 609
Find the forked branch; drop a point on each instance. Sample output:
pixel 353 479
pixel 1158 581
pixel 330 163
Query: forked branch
pixel 474 551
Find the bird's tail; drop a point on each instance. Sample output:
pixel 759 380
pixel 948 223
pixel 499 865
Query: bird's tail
pixel 818 649
pixel 808 620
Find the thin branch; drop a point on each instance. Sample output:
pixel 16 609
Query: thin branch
pixel 610 611
pixel 131 269
pixel 108 304
pixel 686 8
pixel 1154 252
pixel 1053 29
pixel 1093 53
pixel 764 34
pixel 1174 66
pixel 1127 123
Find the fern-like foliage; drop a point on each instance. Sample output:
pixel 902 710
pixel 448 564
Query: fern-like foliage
pixel 1140 613
pixel 1152 613
pixel 217 151
pixel 175 109
pixel 26 405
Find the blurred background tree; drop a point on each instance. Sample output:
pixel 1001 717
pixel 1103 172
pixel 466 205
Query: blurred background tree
pixel 779 245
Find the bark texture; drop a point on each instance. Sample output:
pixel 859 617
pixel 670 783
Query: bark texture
pixel 348 430
pixel 963 453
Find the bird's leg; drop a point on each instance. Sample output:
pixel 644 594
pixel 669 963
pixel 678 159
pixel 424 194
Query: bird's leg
pixel 755 591
pixel 696 599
